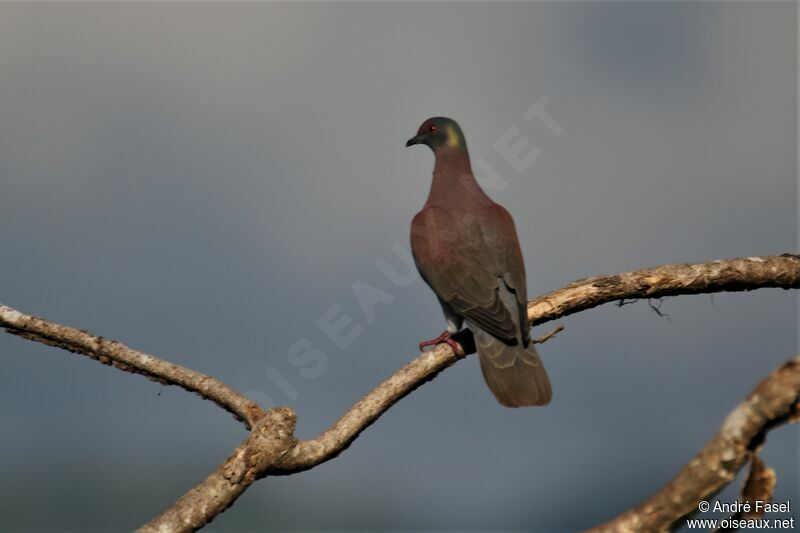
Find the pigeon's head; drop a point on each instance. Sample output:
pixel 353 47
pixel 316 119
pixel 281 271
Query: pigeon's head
pixel 438 132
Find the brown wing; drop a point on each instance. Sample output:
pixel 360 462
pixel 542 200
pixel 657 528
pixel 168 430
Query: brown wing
pixel 513 266
pixel 473 263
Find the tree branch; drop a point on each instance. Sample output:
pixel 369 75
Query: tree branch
pixel 270 439
pixel 272 449
pixel 725 275
pixel 759 485
pixel 336 439
pixel 775 401
pixel 129 360
pixel 666 280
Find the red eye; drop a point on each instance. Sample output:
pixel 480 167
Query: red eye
pixel 432 128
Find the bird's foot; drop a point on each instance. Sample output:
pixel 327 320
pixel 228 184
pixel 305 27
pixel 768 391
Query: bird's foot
pixel 445 337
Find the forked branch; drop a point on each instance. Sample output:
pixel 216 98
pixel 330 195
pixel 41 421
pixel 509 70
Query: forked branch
pixel 272 449
pixel 775 401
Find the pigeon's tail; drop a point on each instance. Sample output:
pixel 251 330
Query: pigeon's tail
pixel 514 374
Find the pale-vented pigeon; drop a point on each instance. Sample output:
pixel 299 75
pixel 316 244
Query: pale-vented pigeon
pixel 466 248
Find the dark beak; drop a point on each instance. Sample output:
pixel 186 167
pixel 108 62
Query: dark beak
pixel 416 139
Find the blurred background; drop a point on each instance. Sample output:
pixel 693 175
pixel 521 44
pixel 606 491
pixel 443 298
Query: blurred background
pixel 207 182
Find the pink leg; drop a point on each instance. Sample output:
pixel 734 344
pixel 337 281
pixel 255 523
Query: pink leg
pixel 444 337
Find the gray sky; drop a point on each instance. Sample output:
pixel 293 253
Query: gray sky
pixel 205 181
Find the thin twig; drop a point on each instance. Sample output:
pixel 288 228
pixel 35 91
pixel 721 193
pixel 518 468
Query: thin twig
pixel 549 335
pixel 657 308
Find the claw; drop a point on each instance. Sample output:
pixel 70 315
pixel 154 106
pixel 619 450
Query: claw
pixel 445 337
